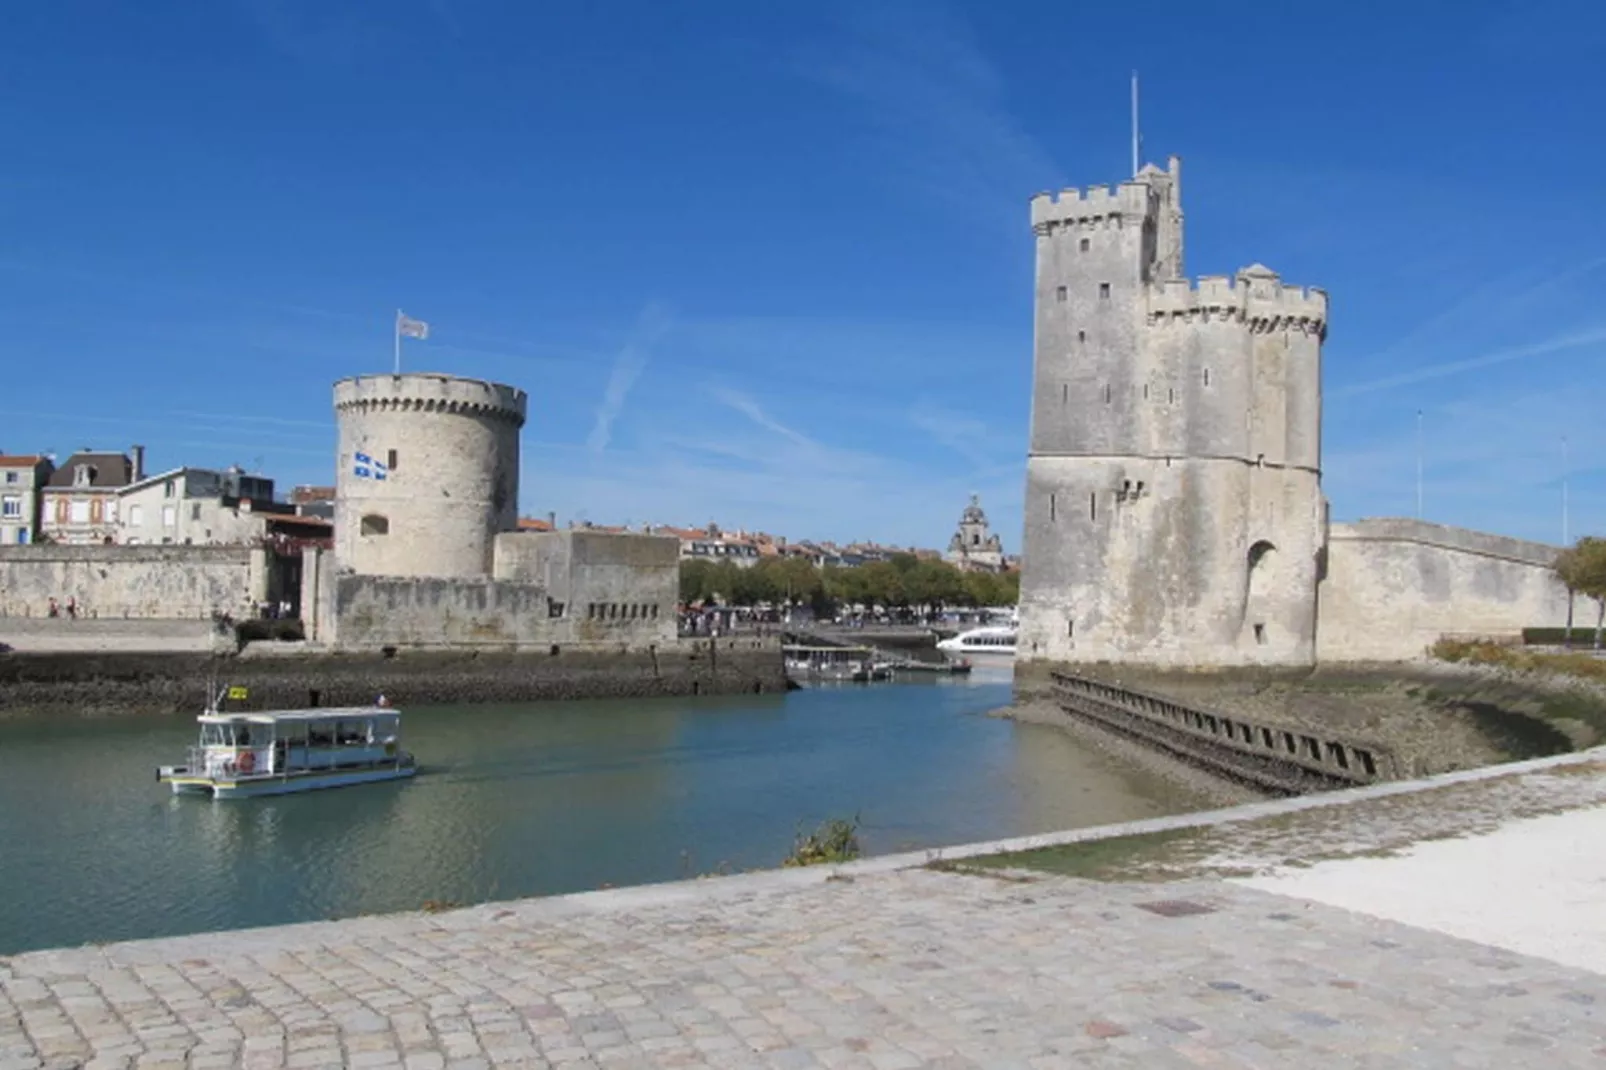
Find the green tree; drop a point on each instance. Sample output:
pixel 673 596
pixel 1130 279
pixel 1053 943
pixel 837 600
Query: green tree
pixel 1582 569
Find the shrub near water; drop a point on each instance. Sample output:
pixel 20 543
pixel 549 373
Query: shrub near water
pixel 1484 652
pixel 834 841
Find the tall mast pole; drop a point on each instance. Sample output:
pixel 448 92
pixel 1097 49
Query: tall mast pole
pixel 1136 143
pixel 1565 461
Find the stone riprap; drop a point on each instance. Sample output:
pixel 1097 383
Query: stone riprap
pixel 103 684
pixel 872 966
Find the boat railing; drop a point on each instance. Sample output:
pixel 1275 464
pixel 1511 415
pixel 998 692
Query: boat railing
pixel 223 762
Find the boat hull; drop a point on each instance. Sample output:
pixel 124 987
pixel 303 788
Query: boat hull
pixel 256 787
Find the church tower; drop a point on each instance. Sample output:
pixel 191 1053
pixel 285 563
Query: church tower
pixel 1174 513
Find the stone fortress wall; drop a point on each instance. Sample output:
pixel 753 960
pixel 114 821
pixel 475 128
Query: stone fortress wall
pixel 1174 511
pixel 1394 587
pixel 123 582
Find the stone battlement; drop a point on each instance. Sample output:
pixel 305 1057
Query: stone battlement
pixel 1075 207
pixel 1255 297
pixel 421 392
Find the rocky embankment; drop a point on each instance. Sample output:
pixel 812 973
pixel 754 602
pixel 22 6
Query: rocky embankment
pixel 109 684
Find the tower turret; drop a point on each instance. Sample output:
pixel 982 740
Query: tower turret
pixel 427 474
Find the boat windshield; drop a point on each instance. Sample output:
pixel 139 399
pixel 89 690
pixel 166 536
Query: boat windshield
pixel 226 735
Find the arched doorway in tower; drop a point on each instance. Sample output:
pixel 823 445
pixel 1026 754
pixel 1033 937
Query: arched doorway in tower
pixel 1260 590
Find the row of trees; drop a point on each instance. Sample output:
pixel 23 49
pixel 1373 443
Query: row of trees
pixel 1582 568
pixel 902 581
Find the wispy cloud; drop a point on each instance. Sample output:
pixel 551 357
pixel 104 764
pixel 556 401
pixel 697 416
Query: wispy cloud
pixel 938 102
pixel 651 325
pixel 751 409
pixel 1489 463
pixel 965 435
pixel 1562 343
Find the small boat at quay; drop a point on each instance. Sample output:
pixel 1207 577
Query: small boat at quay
pixel 990 644
pixel 278 752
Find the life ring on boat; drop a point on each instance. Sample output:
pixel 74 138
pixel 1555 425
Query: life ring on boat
pixel 246 762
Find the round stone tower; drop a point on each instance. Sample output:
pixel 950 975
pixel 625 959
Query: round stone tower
pixel 428 473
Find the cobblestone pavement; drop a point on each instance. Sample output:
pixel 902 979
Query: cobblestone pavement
pixel 913 968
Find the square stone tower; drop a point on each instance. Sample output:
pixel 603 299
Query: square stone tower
pixel 1174 512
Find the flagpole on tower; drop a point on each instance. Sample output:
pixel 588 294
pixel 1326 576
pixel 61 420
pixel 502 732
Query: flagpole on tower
pixel 1137 148
pixel 396 331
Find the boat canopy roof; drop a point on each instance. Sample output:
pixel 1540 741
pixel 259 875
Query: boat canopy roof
pixel 322 713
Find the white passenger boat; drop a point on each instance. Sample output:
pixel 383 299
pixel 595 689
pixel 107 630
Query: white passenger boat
pixel 276 752
pixel 994 643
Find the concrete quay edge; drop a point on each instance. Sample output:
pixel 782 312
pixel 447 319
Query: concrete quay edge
pixel 278 939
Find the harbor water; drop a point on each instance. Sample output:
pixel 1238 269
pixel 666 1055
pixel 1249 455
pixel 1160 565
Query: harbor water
pixel 515 801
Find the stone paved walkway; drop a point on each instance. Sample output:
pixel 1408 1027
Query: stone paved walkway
pixel 878 970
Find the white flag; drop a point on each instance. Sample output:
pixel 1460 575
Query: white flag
pixel 411 328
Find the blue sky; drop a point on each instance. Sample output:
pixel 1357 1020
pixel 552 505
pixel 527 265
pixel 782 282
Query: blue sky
pixel 770 264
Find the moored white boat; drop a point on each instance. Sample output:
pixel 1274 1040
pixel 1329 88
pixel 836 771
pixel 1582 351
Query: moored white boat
pixel 277 752
pixel 992 644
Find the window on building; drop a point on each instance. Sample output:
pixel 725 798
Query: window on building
pixel 84 475
pixel 374 524
pixel 1060 294
pixel 1052 510
pixel 13 477
pixel 1093 506
pixel 1065 393
pixel 136 515
pixel 167 490
pixel 195 510
pixel 1081 336
pixel 169 516
pixel 22 536
pixel 111 510
pixel 390 461
pixel 1106 393
pixel 1084 245
pixel 1207 377
pixel 10 507
pixel 1104 290
pixel 78 512
pixel 97 511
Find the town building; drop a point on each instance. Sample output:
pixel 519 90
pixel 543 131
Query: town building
pixel 974 547
pixel 314 501
pixel 195 507
pixel 22 482
pixel 80 497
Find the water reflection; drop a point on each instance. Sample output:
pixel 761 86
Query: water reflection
pixel 523 800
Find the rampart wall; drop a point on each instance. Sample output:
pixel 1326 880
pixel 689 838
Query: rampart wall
pixel 1396 586
pixel 143 582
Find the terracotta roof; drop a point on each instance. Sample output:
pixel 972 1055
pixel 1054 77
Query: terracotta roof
pixel 24 460
pixel 304 495
pixel 530 523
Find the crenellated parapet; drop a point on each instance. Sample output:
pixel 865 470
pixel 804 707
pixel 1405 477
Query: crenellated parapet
pixel 1095 208
pixel 431 393
pixel 1255 298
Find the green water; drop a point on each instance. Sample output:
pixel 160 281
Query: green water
pixel 524 800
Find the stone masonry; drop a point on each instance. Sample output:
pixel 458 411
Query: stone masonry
pixel 1174 509
pixel 1173 502
pixel 427 474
